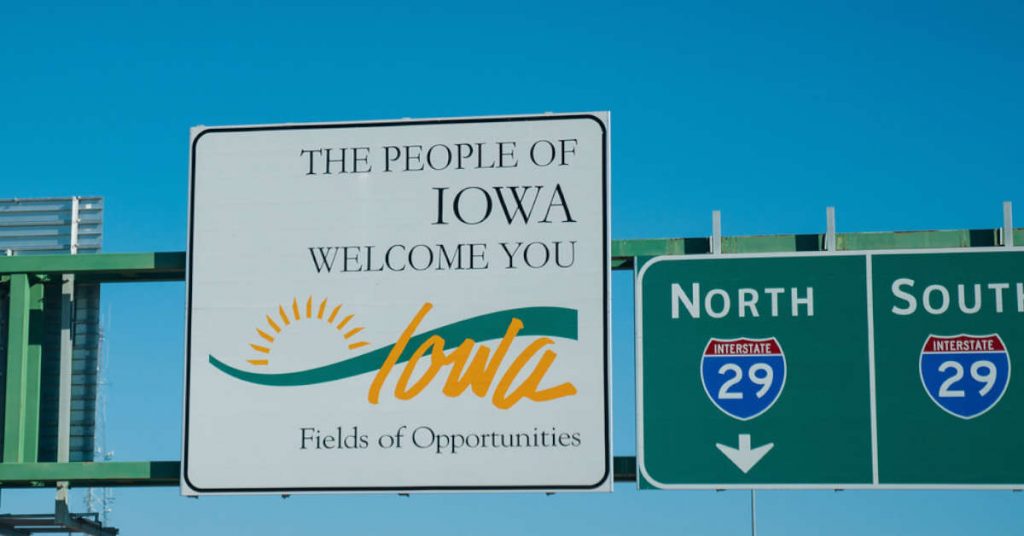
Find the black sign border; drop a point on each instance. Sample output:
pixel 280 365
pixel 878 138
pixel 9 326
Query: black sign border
pixel 606 268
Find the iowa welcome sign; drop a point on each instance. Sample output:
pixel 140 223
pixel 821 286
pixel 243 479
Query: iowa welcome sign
pixel 399 306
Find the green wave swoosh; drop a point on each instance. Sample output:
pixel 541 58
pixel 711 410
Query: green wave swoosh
pixel 549 321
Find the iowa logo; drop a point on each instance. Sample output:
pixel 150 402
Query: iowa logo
pixel 473 356
pixel 965 375
pixel 743 377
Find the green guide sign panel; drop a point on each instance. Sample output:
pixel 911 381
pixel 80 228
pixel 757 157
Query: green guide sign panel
pixel 840 370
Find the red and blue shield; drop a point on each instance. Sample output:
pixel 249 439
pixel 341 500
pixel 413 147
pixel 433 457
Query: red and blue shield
pixel 965 375
pixel 743 377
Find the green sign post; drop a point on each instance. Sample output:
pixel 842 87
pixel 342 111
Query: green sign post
pixel 830 370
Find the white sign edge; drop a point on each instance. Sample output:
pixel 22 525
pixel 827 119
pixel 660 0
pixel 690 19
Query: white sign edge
pixel 603 119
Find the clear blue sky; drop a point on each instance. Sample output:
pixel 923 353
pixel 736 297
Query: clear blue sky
pixel 903 115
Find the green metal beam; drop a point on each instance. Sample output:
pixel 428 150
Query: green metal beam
pixel 158 473
pixel 625 468
pixel 624 251
pixel 170 266
pixel 104 267
pixel 918 240
pixel 24 357
pixel 33 374
pixel 17 358
pixel 84 474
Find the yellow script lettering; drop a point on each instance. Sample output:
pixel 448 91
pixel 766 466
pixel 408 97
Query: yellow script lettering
pixel 471 370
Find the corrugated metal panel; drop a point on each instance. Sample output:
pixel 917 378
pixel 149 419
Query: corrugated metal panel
pixel 85 362
pixel 50 374
pixel 41 227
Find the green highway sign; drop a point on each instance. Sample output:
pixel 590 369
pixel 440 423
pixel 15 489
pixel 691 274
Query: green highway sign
pixel 706 379
pixel 953 416
pixel 883 369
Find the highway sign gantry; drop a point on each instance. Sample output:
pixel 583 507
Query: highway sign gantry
pixel 838 370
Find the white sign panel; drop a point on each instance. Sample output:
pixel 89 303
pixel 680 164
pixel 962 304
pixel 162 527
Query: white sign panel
pixel 399 306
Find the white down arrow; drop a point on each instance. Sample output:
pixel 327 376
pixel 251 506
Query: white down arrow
pixel 745 457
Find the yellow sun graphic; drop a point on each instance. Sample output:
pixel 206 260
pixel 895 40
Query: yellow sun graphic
pixel 286 320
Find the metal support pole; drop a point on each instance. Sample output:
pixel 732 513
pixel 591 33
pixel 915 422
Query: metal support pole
pixel 67 346
pixel 63 516
pixel 716 232
pixel 66 355
pixel 73 242
pixel 1008 224
pixel 753 513
pixel 830 229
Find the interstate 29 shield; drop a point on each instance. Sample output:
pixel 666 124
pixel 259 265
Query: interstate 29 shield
pixel 743 377
pixel 965 375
